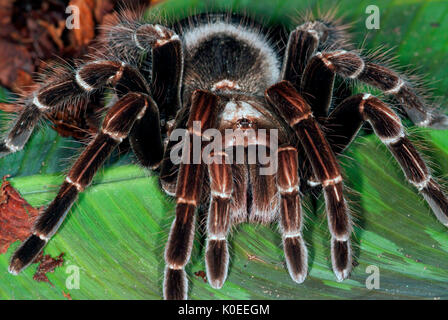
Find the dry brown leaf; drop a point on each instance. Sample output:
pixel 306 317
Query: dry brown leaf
pixel 16 216
pixel 24 83
pixel 201 274
pixel 55 32
pixel 5 17
pixel 13 57
pixel 66 295
pixel 103 7
pixel 86 31
pixel 16 219
pixel 47 264
pixel 11 108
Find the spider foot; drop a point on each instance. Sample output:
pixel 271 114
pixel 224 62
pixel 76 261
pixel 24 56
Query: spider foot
pixel 175 286
pixel 438 121
pixel 26 254
pixel 217 258
pixel 296 258
pixel 341 258
pixel 437 200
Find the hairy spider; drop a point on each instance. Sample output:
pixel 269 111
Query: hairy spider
pixel 226 71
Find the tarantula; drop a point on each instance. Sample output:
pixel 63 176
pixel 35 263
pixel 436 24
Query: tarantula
pixel 227 71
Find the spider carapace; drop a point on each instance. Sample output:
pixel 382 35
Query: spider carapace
pixel 226 72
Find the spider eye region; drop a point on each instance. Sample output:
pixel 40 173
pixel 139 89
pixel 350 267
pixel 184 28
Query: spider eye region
pixel 225 85
pixel 244 123
pixel 240 115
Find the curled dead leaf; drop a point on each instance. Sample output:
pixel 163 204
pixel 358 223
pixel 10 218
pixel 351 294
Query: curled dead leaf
pixel 86 31
pixel 201 274
pixel 66 295
pixel 47 264
pixel 16 216
pixel 13 57
pixel 10 108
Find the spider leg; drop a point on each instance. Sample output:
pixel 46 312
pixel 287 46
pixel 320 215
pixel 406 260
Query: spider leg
pixel 291 213
pixel 169 170
pixel 298 115
pixel 167 69
pixel 68 87
pixel 116 126
pixel 388 128
pixel 89 77
pixel 146 138
pixel 21 130
pixel 131 41
pixel 218 224
pixel 302 45
pixel 343 124
pixel 351 65
pixel 204 108
pixel 263 190
pixel 341 128
pixel 317 88
pixel 312 81
pixel 239 202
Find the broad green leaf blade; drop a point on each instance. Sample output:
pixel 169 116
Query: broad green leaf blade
pixel 116 232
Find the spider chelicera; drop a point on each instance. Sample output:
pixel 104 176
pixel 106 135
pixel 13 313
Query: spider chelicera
pixel 227 71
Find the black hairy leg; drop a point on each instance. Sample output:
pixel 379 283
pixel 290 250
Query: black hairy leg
pixel 351 65
pixel 299 116
pixel 313 82
pixel 387 126
pixel 303 44
pixel 116 126
pixel 120 71
pixel 218 220
pixel 204 108
pixel 69 86
pixel 291 213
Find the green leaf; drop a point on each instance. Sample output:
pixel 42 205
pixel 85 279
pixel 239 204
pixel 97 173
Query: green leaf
pixel 116 232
